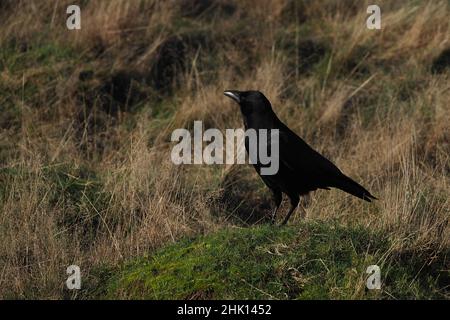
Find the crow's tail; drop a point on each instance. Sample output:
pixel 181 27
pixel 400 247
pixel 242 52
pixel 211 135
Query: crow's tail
pixel 348 185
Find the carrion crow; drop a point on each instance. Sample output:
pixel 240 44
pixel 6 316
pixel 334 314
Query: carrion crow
pixel 301 168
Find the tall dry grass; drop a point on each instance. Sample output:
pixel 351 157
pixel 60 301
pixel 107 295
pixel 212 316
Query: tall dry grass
pixel 86 176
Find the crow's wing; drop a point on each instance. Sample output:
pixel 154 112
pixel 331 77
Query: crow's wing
pixel 313 169
pixel 298 155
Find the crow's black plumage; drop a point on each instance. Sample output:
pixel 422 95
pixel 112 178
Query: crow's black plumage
pixel 301 168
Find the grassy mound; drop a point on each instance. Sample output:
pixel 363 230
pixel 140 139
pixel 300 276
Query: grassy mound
pixel 306 261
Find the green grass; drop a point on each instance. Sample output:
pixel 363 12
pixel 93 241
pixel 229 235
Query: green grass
pixel 30 55
pixel 33 71
pixel 306 261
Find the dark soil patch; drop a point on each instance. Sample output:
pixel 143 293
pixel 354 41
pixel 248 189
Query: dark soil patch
pixel 206 8
pixel 442 62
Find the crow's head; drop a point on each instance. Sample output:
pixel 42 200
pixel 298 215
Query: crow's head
pixel 250 101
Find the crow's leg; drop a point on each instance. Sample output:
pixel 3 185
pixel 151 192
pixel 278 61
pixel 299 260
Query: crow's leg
pixel 294 204
pixel 277 197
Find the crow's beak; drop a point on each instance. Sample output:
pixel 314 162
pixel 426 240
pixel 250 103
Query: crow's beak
pixel 233 94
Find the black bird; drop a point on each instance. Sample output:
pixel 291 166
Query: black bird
pixel 301 168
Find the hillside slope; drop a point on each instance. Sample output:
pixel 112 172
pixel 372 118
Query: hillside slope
pixel 305 261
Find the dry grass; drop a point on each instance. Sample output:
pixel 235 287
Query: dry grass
pixel 85 167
